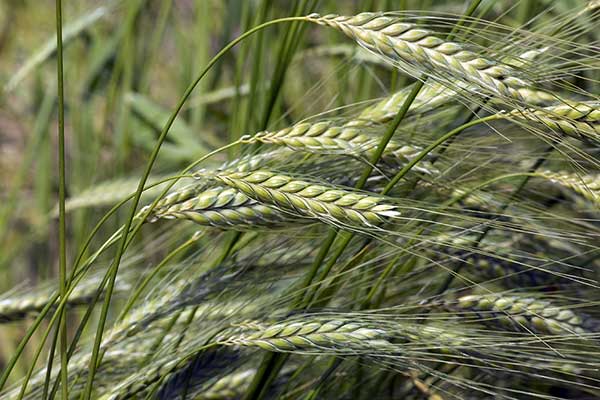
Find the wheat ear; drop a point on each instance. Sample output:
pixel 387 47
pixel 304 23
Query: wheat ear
pixel 327 137
pixel 306 199
pixel 223 208
pixel 434 94
pixel 580 120
pixel 519 312
pixel 421 48
pixel 231 386
pixel 586 185
pixel 292 336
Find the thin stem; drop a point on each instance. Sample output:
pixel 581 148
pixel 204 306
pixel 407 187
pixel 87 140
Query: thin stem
pixel 62 251
pixel 76 275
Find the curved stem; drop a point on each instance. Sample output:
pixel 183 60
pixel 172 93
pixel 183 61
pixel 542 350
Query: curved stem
pixel 115 265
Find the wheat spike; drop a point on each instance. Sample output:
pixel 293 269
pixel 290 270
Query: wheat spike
pixel 231 386
pixel 519 312
pixel 421 48
pixel 222 208
pixel 580 120
pixel 433 95
pixel 291 336
pixel 327 137
pixel 311 200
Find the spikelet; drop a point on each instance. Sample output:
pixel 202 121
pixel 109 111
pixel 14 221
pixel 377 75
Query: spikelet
pixel 177 196
pixel 422 49
pixel 286 336
pixel 222 208
pixel 520 312
pixel 306 199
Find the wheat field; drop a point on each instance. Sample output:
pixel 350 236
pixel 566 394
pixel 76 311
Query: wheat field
pixel 307 199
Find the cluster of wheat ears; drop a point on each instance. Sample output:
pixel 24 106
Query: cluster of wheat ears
pixel 438 243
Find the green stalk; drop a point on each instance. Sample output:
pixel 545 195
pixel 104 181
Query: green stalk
pixel 62 252
pixel 289 44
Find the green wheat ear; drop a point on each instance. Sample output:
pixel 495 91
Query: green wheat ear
pixel 345 336
pixel 222 208
pixel 306 199
pixel 522 312
pixel 424 50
